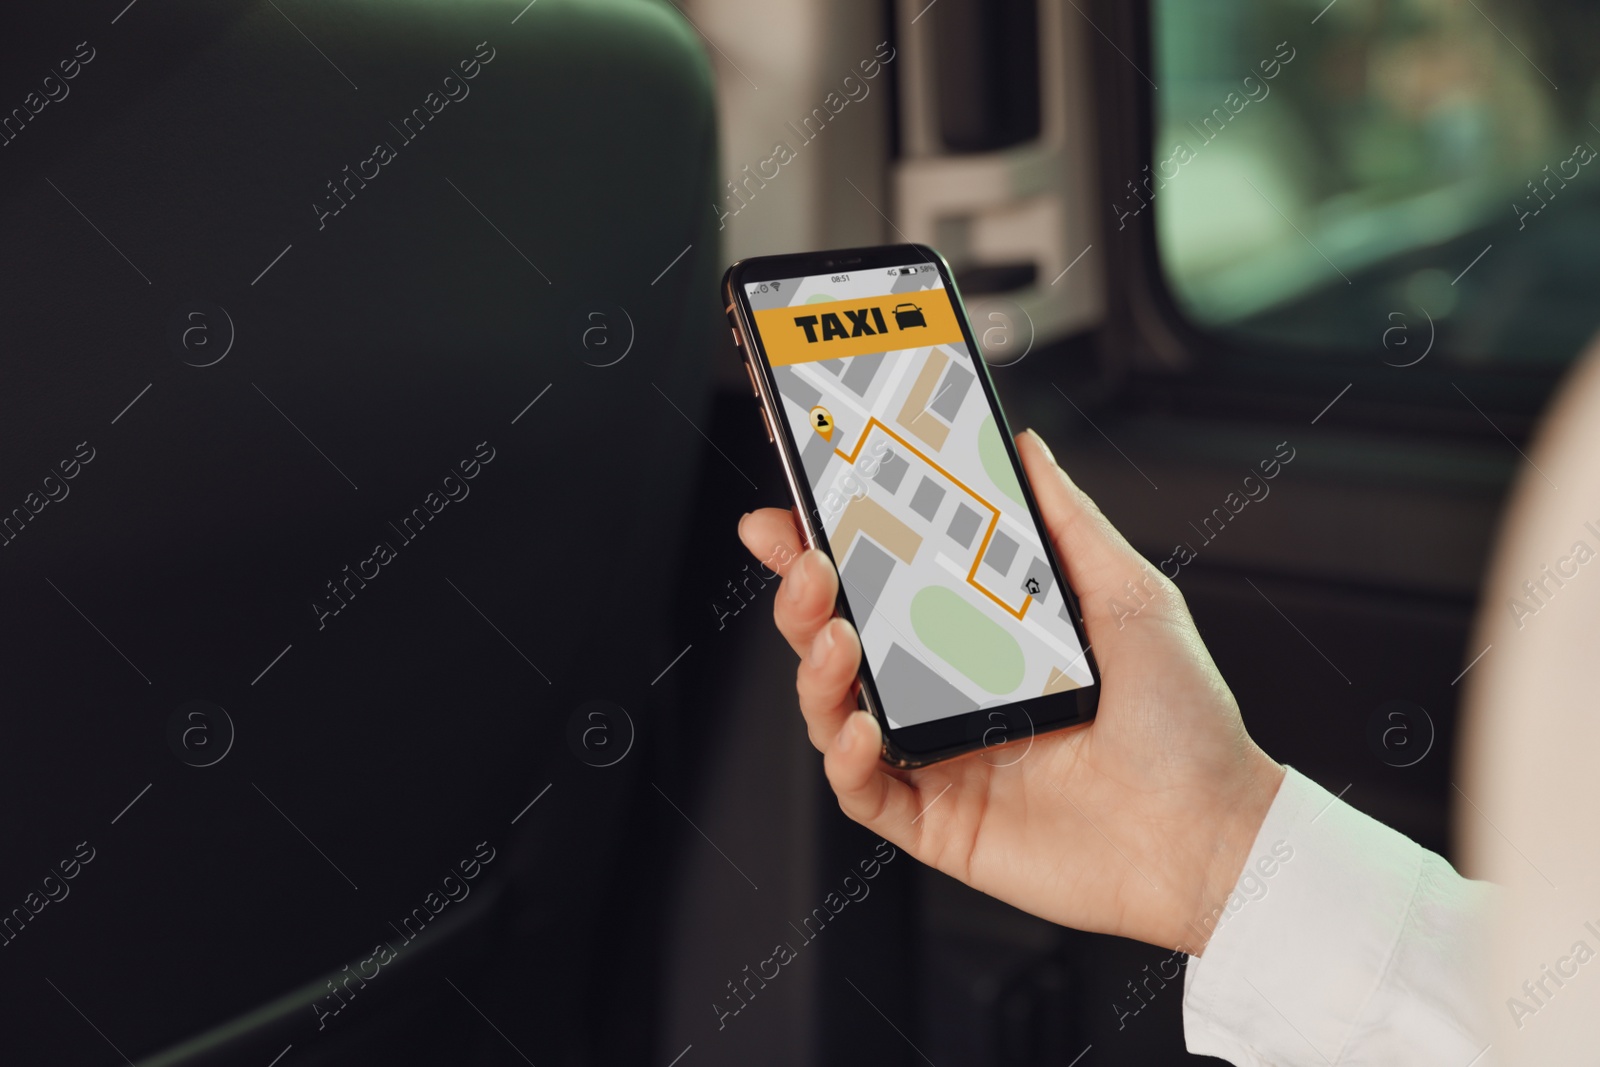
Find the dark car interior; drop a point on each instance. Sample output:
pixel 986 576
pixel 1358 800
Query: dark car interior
pixel 387 670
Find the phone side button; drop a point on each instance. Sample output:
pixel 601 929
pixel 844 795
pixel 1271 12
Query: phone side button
pixel 751 374
pixel 736 342
pixel 766 421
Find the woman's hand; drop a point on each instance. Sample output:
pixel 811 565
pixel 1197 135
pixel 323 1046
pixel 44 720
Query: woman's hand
pixel 1136 824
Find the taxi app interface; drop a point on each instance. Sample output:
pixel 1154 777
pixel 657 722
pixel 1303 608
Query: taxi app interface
pixel 941 563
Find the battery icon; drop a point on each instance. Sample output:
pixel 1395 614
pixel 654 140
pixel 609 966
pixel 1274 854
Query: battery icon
pixel 908 270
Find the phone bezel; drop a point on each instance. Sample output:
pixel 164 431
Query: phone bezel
pixel 921 743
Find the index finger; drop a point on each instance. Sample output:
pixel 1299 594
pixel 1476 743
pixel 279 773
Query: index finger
pixel 1097 558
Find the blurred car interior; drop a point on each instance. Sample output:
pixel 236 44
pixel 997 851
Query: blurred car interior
pixel 528 785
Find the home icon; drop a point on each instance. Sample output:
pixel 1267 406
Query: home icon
pixel 908 315
pixel 1032 586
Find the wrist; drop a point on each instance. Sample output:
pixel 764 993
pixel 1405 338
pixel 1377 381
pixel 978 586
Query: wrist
pixel 1240 814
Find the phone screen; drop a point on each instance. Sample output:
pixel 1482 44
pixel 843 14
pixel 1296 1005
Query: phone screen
pixel 941 564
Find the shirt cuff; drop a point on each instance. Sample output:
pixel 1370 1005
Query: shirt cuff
pixel 1302 944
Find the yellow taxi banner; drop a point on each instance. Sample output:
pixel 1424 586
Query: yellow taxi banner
pixel 806 333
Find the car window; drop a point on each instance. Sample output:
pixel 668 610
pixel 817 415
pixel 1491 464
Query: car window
pixel 1324 172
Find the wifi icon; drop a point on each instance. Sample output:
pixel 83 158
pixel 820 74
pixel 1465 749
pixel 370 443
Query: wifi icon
pixel 776 285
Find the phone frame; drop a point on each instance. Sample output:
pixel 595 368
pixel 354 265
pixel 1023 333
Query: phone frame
pixel 929 742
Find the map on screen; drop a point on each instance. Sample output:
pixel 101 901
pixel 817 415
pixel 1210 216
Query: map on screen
pixel 941 563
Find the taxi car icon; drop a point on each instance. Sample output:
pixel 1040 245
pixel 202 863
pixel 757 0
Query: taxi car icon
pixel 908 315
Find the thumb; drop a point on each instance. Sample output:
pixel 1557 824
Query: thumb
pixel 1100 564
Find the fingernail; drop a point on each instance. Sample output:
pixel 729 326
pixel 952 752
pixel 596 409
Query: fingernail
pixel 1051 456
pixel 846 735
pixel 743 517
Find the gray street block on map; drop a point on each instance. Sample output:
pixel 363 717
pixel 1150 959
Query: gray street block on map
pixel 948 397
pixel 865 574
pixel 964 526
pixel 815 455
pixel 916 692
pixel 1002 551
pixel 926 500
pixel 862 370
pixel 891 471
pixel 791 385
pixel 1038 574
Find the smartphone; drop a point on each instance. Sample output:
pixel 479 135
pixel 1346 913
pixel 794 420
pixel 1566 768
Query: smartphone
pixel 903 469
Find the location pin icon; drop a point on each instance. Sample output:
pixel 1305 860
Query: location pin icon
pixel 822 422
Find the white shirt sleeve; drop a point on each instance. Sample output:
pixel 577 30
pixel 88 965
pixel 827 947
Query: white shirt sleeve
pixel 1344 942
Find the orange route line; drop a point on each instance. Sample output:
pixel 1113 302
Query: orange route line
pixel 994 520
